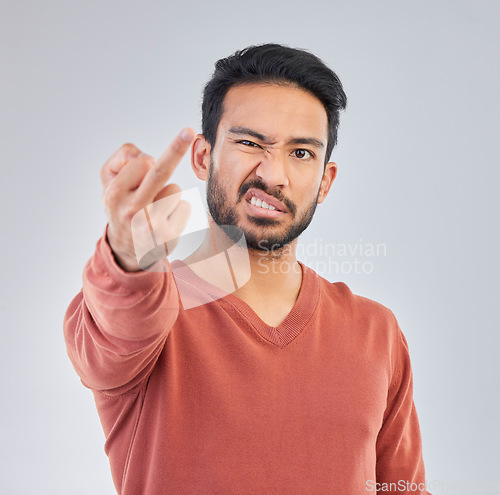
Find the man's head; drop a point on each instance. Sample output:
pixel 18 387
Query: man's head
pixel 278 64
pixel 270 119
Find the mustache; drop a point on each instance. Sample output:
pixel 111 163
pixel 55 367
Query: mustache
pixel 259 184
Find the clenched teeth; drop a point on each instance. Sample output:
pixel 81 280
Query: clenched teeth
pixel 258 202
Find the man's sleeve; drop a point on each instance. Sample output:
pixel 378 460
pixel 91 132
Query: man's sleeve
pixel 399 445
pixel 116 326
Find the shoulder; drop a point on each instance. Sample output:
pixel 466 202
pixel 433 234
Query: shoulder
pixel 366 315
pixel 362 306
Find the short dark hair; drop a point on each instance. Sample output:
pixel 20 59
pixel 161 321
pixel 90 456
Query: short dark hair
pixel 279 64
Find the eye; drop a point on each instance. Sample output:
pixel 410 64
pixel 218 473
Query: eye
pixel 248 143
pixel 302 154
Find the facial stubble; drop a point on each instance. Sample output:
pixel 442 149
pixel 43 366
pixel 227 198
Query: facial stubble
pixel 263 239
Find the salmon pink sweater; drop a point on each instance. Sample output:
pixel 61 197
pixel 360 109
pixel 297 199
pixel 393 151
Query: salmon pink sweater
pixel 212 400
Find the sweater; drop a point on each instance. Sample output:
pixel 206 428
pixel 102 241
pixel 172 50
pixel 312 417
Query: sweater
pixel 212 400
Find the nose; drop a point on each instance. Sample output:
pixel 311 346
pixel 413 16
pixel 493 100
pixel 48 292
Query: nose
pixel 272 169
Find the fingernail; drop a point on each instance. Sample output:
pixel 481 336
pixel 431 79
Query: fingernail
pixel 186 134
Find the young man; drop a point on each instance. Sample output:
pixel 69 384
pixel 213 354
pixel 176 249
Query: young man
pixel 290 384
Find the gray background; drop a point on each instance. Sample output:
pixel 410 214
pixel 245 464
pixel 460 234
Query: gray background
pixel 418 173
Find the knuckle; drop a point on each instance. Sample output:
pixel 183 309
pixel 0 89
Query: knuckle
pixel 129 214
pixel 147 161
pixel 172 189
pixel 129 150
pixel 134 207
pixel 129 147
pixel 130 211
pixel 111 195
pixel 155 174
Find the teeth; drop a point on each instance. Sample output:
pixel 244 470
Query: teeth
pixel 258 202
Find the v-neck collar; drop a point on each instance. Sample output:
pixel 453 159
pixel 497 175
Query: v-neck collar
pixel 281 335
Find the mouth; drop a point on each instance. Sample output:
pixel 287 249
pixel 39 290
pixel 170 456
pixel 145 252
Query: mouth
pixel 260 204
pixel 259 199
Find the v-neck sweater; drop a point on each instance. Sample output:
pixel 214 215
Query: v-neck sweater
pixel 197 289
pixel 211 399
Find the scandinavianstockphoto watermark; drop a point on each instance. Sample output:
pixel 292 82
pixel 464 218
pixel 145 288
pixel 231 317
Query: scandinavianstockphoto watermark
pixel 457 486
pixel 154 239
pixel 228 267
pixel 327 258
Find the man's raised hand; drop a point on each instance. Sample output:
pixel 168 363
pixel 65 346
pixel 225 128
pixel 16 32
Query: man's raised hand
pixel 132 180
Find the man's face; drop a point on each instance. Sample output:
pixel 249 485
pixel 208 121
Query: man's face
pixel 270 151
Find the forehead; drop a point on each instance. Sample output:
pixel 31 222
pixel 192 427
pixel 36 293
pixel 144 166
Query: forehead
pixel 274 110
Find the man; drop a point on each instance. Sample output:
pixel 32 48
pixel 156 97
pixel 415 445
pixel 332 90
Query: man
pixel 289 385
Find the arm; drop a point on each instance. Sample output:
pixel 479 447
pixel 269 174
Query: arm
pixel 116 326
pixel 399 445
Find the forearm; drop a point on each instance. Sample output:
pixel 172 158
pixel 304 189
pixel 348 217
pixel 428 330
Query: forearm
pixel 116 326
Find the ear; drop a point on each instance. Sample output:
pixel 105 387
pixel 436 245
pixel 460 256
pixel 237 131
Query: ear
pixel 326 182
pixel 200 157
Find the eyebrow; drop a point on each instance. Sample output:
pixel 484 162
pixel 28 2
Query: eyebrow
pixel 246 131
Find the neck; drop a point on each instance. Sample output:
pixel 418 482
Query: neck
pixel 270 274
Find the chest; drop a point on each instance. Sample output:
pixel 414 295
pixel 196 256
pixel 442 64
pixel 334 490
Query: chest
pixel 222 400
pixel 323 381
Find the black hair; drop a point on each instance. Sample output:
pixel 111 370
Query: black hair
pixel 278 64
